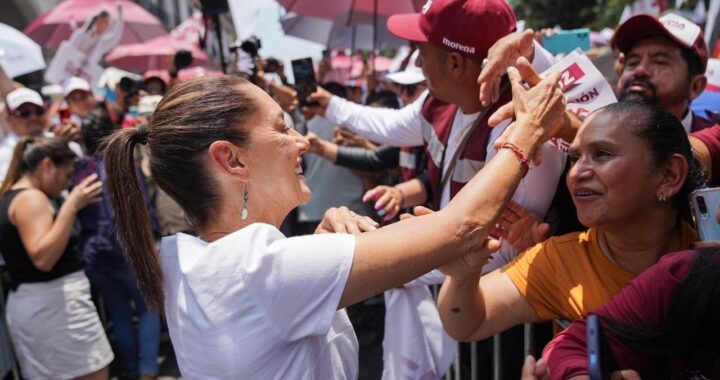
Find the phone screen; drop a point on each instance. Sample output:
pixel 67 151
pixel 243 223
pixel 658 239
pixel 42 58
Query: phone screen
pixel 305 81
pixel 567 40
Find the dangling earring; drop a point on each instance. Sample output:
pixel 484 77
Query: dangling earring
pixel 662 198
pixel 244 211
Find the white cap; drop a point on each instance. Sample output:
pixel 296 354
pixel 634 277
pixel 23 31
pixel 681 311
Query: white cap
pixel 713 74
pixel 22 95
pixel 147 104
pixel 411 75
pixel 75 83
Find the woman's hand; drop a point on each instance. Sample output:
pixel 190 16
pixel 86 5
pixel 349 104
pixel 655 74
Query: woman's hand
pixel 472 263
pixel 537 110
pixel 68 131
pixel 84 193
pixel 342 220
pixel 520 228
pixel 531 78
pixel 388 199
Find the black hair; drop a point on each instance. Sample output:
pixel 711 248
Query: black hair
pixel 694 67
pixel 29 153
pixel 688 333
pixel 183 59
pixel 336 89
pixel 664 136
pixel 97 126
pixel 385 98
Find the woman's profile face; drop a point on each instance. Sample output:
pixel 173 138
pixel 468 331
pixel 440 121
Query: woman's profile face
pixel 57 178
pixel 612 180
pixel 102 24
pixel 275 151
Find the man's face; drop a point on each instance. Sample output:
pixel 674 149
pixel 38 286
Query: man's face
pixel 432 62
pixel 81 103
pixel 28 120
pixel 654 70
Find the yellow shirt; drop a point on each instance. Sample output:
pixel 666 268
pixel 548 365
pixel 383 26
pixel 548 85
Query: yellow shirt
pixel 568 276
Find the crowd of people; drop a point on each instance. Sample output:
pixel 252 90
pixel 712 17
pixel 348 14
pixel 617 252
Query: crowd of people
pixel 247 220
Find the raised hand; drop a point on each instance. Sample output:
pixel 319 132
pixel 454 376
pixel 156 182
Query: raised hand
pixel 84 193
pixel 388 200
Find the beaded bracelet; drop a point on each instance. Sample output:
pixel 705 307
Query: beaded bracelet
pixel 524 163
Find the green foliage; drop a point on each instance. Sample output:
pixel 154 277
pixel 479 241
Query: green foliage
pixel 571 14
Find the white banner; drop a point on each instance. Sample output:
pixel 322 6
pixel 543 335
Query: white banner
pixel 584 86
pixel 69 62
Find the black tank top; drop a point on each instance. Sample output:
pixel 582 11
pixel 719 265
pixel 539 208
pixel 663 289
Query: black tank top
pixel 20 267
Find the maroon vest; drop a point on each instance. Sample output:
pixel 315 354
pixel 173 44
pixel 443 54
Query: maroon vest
pixel 408 162
pixel 437 120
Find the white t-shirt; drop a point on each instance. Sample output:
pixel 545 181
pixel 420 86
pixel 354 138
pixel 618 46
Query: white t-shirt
pixel 257 305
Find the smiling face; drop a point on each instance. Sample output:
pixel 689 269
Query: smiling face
pixel 612 180
pixel 654 70
pixel 274 153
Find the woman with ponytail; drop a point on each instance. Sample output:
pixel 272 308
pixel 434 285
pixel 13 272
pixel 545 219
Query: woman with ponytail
pixel 242 301
pixel 52 321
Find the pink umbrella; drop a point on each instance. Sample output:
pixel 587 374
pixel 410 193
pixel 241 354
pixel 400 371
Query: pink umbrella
pixel 353 12
pixel 53 27
pixel 155 54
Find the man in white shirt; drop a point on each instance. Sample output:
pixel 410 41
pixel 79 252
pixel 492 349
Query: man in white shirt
pixel 25 117
pixel 451 59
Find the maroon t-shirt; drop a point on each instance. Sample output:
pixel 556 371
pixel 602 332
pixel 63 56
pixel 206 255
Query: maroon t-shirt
pixel 641 303
pixel 711 138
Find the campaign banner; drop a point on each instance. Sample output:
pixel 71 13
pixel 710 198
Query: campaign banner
pixel 583 84
pixel 71 62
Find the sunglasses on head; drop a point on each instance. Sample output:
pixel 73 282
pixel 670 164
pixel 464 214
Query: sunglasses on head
pixel 27 113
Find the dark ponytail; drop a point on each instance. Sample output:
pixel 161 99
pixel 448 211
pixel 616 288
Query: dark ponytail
pixel 132 217
pixel 28 154
pixel 193 115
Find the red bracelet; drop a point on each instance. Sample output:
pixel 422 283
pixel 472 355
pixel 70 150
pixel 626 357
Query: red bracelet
pixel 402 196
pixel 524 163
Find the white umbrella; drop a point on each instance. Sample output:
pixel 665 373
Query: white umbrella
pixel 18 53
pixel 339 35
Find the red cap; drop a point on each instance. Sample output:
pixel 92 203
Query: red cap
pixel 468 27
pixel 685 33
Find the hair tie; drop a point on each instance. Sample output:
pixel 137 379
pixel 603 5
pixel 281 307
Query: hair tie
pixel 141 135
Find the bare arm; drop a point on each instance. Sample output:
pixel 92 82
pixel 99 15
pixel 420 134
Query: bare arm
pixel 45 240
pixel 473 307
pixel 7 85
pixel 393 255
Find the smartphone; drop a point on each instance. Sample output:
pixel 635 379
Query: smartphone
pixel 592 330
pixel 565 41
pixel 705 206
pixel 305 81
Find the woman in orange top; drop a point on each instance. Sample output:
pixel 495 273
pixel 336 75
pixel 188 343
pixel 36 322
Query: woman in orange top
pixel 631 176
